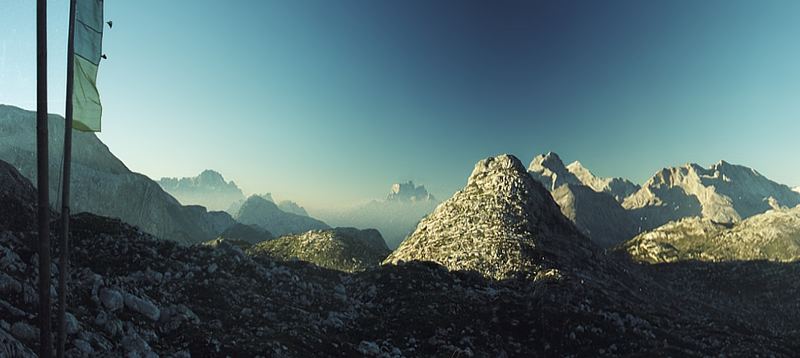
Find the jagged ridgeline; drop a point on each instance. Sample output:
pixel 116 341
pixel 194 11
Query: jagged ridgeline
pixel 502 224
pixel 102 184
pixel 208 189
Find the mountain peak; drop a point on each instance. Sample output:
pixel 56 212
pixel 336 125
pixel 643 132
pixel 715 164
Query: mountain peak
pixel 501 224
pixel 551 160
pixel 208 189
pixel 408 191
pixel 501 164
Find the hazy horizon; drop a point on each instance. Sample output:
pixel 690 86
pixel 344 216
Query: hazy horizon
pixel 327 104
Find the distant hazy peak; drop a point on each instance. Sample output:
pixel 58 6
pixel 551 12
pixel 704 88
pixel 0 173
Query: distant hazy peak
pixel 292 207
pixel 408 191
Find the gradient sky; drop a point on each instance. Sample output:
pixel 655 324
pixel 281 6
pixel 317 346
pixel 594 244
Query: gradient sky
pixel 329 102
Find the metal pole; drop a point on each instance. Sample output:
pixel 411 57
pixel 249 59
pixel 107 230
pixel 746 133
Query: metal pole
pixel 63 260
pixel 45 340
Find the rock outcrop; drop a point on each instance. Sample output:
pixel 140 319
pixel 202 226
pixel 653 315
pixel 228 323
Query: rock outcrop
pixel 343 249
pixel 724 193
pixel 209 189
pixel 257 210
pixel 101 183
pixel 773 235
pixel 502 224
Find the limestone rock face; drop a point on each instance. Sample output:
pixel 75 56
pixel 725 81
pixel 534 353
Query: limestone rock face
pixel 592 203
pixel 344 249
pixel 596 214
pixel 724 193
pixel 549 170
pixel 101 183
pixel 773 235
pixel 208 189
pixel 257 210
pixel 502 224
pixel 618 188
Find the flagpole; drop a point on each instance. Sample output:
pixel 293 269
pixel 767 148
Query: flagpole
pixel 63 261
pixel 42 173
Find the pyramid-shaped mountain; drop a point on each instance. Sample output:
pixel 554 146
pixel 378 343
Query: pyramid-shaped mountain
pixel 502 224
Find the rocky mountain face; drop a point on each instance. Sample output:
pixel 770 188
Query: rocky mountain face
pixel 133 295
pixel 101 183
pixel 724 193
pixel 503 223
pixel 395 218
pixel 773 235
pixel 596 214
pixel 343 249
pixel 208 189
pixel 590 202
pixel 257 210
pixel 618 188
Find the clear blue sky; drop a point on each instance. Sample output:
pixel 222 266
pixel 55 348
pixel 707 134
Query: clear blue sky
pixel 328 102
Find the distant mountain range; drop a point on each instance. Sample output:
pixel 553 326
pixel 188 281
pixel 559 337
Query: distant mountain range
pixel 208 189
pixel 102 184
pixel 395 217
pixel 724 193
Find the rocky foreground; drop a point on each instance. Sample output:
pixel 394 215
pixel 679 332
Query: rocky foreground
pixel 133 295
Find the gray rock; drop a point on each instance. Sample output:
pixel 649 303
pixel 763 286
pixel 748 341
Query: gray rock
pixel 24 331
pixel 8 285
pixel 111 299
pixel 142 306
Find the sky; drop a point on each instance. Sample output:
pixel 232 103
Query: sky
pixel 329 102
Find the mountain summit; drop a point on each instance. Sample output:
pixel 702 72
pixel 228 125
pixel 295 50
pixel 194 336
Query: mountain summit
pixel 409 192
pixel 724 193
pixel 502 224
